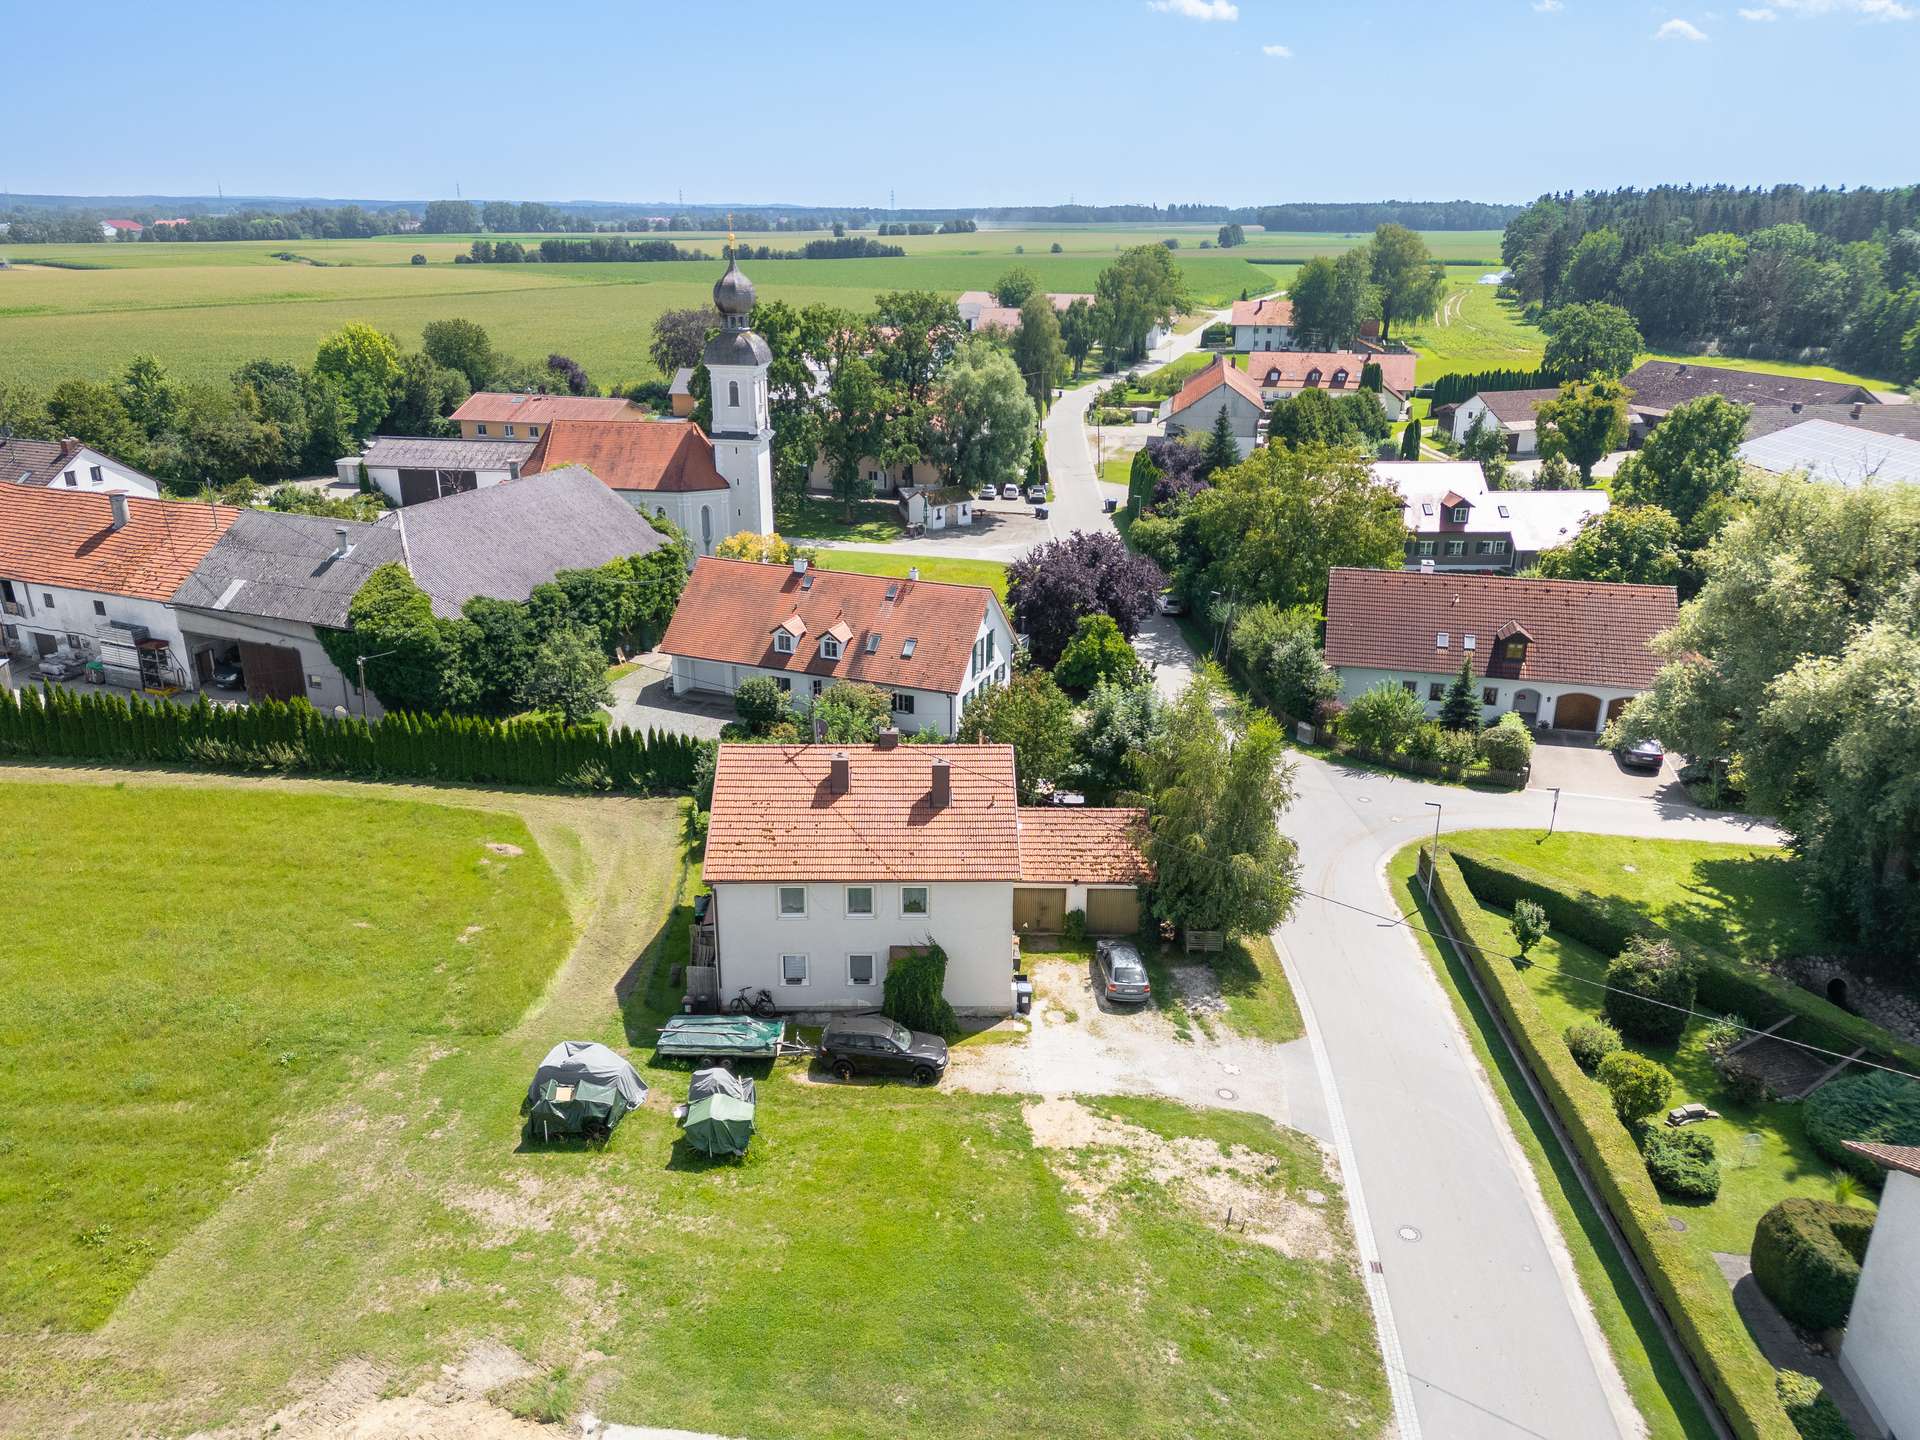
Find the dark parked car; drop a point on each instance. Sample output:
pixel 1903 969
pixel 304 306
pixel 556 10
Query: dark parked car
pixel 874 1045
pixel 227 675
pixel 1121 976
pixel 1641 755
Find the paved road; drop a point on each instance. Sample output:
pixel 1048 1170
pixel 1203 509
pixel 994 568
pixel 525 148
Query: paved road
pixel 1485 1328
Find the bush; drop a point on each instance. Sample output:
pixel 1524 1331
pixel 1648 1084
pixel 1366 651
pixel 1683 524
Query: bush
pixel 1591 1043
pixel 1506 745
pixel 913 994
pixel 1806 1259
pixel 1720 1034
pixel 1459 748
pixel 1877 1106
pixel 1097 652
pixel 1638 1086
pixel 1810 1408
pixel 1650 988
pixel 1681 1163
pixel 760 702
pixel 1074 927
pixel 1384 719
pixel 418 260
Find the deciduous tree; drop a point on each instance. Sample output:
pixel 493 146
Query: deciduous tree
pixel 1591 341
pixel 679 337
pixel 364 364
pixel 1037 349
pixel 1626 545
pixel 1052 586
pixel 1409 281
pixel 461 345
pixel 987 417
pixel 1031 713
pixel 1584 424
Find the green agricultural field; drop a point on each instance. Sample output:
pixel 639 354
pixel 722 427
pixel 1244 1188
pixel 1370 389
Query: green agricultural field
pixel 973 1250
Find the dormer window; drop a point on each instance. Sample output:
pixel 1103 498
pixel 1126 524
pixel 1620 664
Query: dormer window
pixel 1313 376
pixel 829 648
pixel 1339 379
pixel 1459 514
pixel 783 642
pixel 1273 376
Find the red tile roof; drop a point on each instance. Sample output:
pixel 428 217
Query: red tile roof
pixel 775 816
pixel 730 609
pixel 1205 382
pixel 490 405
pixel 1584 633
pixel 659 455
pixel 1396 371
pixel 1273 310
pixel 53 537
pixel 1068 845
pixel 1894 1157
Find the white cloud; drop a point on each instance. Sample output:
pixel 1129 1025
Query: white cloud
pixel 1547 7
pixel 1276 52
pixel 1866 9
pixel 1197 9
pixel 1679 30
pixel 1760 16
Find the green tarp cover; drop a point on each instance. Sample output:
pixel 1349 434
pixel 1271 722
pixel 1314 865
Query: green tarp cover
pixel 720 1035
pixel 577 1107
pixel 720 1125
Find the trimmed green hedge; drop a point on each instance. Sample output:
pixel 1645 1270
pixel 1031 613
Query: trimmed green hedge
pixel 292 735
pixel 1681 1163
pixel 1723 984
pixel 1687 1283
pixel 1876 1107
pixel 1806 1258
pixel 1811 1409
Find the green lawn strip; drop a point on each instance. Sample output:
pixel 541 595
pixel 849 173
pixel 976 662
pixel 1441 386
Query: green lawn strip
pixel 1653 1377
pixel 821 518
pixel 950 571
pixel 1117 469
pixel 1260 1002
pixel 223 958
pixel 1681 1272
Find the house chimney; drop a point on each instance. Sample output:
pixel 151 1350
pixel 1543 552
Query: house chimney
pixel 941 795
pixel 340 545
pixel 839 778
pixel 69 447
pixel 1857 408
pixel 119 504
pixel 913 572
pixel 1795 407
pixel 799 564
pixel 887 739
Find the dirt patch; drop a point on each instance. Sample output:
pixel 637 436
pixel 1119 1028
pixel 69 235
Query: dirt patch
pixel 353 1404
pixel 1229 1186
pixel 504 1215
pixel 1199 989
pixel 501 847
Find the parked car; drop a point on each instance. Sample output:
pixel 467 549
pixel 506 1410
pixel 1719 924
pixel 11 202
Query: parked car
pixel 1009 491
pixel 1168 603
pixel 227 675
pixel 874 1045
pixel 1647 755
pixel 1036 494
pixel 1121 974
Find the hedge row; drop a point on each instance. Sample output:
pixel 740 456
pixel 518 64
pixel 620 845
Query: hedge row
pixel 1452 389
pixel 1806 1258
pixel 1725 985
pixel 1686 1282
pixel 292 735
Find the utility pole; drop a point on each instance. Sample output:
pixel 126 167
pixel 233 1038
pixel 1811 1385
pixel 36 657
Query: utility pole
pixel 360 663
pixel 1433 853
pixel 1555 815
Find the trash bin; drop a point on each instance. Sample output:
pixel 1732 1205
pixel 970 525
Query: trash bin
pixel 96 672
pixel 1039 512
pixel 1023 997
pixel 1112 505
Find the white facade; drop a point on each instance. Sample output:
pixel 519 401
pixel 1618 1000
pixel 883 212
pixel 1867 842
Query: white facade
pixel 1881 1353
pixel 700 514
pixel 88 472
pixel 1245 417
pixel 742 452
pixel 326 686
pixel 817 957
pixel 1263 337
pixel 41 620
pixel 387 477
pixel 1538 702
pixel 937 509
pixel 1522 436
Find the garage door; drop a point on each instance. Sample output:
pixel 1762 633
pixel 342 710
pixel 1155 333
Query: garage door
pixel 1576 712
pixel 1041 911
pixel 1113 912
pixel 273 671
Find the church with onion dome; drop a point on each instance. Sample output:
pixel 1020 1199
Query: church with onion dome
pixel 737 360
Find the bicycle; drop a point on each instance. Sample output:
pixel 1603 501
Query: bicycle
pixel 760 1004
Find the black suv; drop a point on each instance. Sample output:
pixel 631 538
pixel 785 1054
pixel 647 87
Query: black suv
pixel 874 1045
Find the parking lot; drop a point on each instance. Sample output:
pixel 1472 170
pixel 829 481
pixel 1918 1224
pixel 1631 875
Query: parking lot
pixel 1575 764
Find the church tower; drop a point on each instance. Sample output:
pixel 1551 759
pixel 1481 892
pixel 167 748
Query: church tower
pixel 737 361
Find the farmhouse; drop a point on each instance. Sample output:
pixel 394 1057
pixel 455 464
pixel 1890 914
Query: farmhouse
pixel 69 465
pixel 1265 324
pixel 1562 654
pixel 982 310
pixel 85 578
pixel 1883 1327
pixel 828 863
pixel 1511 412
pixel 1836 452
pixel 502 415
pixel 408 469
pixel 1281 374
pixel 1221 386
pixel 932 647
pixel 1454 522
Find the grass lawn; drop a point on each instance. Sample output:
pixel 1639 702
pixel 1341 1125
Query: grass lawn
pixel 1260 1003
pixel 1117 469
pixel 955 571
pixel 821 518
pixel 224 957
pixel 988 1287
pixel 1654 1379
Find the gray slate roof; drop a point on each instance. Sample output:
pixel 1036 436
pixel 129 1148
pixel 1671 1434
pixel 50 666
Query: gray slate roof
pixel 427 452
pixel 283 567
pixel 736 347
pixel 504 540
pixel 36 462
pixel 1517 407
pixel 1839 454
pixel 682 381
pixel 1882 419
pixel 1659 385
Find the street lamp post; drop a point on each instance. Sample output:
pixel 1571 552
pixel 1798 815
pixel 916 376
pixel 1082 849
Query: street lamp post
pixel 1433 852
pixel 360 664
pixel 1555 813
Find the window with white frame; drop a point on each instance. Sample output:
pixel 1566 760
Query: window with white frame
pixel 862 969
pixel 793 901
pixel 860 902
pixel 902 703
pixel 1490 696
pixel 915 900
pixel 786 685
pixel 1456 547
pixel 783 641
pixel 1423 547
pixel 71 479
pixel 1459 514
pixel 793 969
pixel 829 648
pixel 1496 547
pixel 509 432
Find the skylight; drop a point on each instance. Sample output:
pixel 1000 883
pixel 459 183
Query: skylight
pixel 1466 642
pixel 1440 640
pixel 893 592
pixel 1505 513
pixel 1426 507
pixel 906 650
pixel 873 641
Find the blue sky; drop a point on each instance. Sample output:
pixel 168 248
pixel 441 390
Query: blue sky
pixel 995 102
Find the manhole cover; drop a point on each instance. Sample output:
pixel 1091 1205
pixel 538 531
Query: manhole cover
pixel 1364 799
pixel 1226 1094
pixel 1677 1223
pixel 1409 1234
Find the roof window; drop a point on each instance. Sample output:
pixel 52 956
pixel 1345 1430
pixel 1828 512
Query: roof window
pixel 906 650
pixel 873 641
pixel 893 592
pixel 1440 640
pixel 1466 642
pixel 1505 514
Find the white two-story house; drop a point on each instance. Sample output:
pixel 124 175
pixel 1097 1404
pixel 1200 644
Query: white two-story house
pixel 933 647
pixel 71 466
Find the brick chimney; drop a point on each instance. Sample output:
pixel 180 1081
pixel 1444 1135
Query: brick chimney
pixel 1857 408
pixel 69 447
pixel 887 739
pixel 941 794
pixel 840 777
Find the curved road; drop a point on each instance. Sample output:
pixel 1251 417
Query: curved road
pixel 1482 1321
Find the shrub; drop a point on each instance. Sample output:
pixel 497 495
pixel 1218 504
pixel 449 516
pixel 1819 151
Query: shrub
pixel 1074 927
pixel 1591 1043
pixel 1681 1163
pixel 1720 1034
pixel 913 994
pixel 1806 1258
pixel 1384 719
pixel 1650 988
pixel 1460 748
pixel 418 260
pixel 1529 926
pixel 1877 1106
pixel 1097 652
pixel 1639 1086
pixel 759 702
pixel 1810 1408
pixel 1506 745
